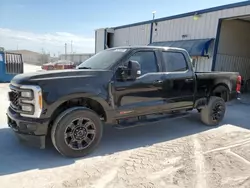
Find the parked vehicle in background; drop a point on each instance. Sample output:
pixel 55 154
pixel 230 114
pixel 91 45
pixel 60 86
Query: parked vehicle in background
pixel 59 65
pixel 125 86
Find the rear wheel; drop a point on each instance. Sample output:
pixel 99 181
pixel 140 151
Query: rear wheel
pixel 76 132
pixel 214 112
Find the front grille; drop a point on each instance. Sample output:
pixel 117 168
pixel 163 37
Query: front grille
pixel 14 96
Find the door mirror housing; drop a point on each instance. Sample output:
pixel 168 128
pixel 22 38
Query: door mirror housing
pixel 130 71
pixel 134 68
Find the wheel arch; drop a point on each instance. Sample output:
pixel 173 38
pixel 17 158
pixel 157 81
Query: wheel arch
pixel 200 103
pixel 95 103
pixel 217 91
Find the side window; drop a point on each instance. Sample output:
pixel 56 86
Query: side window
pixel 147 61
pixel 174 61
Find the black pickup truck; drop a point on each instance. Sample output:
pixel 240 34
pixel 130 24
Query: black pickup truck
pixel 124 86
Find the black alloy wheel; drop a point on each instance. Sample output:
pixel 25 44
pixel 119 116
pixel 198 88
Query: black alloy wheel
pixel 213 113
pixel 80 133
pixel 218 111
pixel 76 132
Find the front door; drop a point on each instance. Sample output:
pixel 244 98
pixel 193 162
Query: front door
pixel 143 95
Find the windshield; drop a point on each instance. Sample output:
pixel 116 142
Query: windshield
pixel 103 59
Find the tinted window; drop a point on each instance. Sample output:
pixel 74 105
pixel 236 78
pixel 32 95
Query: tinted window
pixel 174 61
pixel 147 61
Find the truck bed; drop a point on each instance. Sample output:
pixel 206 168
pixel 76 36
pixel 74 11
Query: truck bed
pixel 208 81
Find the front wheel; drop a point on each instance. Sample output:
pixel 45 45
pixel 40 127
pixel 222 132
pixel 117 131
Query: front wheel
pixel 214 112
pixel 76 132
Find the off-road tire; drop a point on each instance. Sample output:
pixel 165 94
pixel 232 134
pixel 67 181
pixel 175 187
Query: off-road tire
pixel 206 113
pixel 62 121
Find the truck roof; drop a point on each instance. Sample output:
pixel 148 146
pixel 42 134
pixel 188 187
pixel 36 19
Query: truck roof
pixel 148 47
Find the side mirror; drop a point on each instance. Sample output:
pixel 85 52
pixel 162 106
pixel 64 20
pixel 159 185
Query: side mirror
pixel 122 73
pixel 134 68
pixel 130 71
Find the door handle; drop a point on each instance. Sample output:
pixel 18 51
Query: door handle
pixel 158 81
pixel 189 80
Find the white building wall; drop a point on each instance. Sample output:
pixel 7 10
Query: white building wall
pixel 135 35
pixel 204 27
pixel 121 37
pixel 99 40
pixel 204 64
pixel 173 29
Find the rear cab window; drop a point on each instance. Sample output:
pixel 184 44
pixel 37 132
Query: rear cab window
pixel 174 61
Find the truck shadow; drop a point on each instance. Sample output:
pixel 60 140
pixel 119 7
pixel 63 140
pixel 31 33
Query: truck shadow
pixel 16 157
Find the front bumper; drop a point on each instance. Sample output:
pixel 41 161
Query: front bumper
pixel 28 130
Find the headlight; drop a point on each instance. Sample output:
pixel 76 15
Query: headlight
pixel 32 101
pixel 27 108
pixel 26 94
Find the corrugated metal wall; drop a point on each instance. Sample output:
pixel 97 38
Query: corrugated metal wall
pixel 204 64
pixel 204 27
pixel 168 30
pixel 135 35
pixel 234 47
pixel 233 64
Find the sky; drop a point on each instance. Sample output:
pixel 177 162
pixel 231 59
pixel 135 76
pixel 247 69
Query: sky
pixel 48 24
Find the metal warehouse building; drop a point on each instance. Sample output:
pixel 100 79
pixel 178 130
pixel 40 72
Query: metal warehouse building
pixel 217 38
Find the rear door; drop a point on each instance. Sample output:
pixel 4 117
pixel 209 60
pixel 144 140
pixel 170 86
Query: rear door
pixel 179 80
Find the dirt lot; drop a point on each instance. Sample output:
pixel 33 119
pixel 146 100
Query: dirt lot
pixel 173 154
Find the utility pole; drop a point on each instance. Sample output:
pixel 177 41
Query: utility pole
pixel 71 47
pixel 152 28
pixel 154 12
pixel 65 51
pixel 42 57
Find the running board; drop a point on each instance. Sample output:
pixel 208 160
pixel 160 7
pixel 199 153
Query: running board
pixel 145 120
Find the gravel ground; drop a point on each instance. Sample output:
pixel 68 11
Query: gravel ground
pixel 173 154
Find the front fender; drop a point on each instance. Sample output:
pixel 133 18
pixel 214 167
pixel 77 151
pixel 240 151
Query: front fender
pixel 51 105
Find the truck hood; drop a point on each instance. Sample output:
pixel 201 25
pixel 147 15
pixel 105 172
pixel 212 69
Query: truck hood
pixel 72 74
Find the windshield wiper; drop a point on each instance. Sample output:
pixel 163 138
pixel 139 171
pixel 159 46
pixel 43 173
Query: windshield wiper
pixel 84 67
